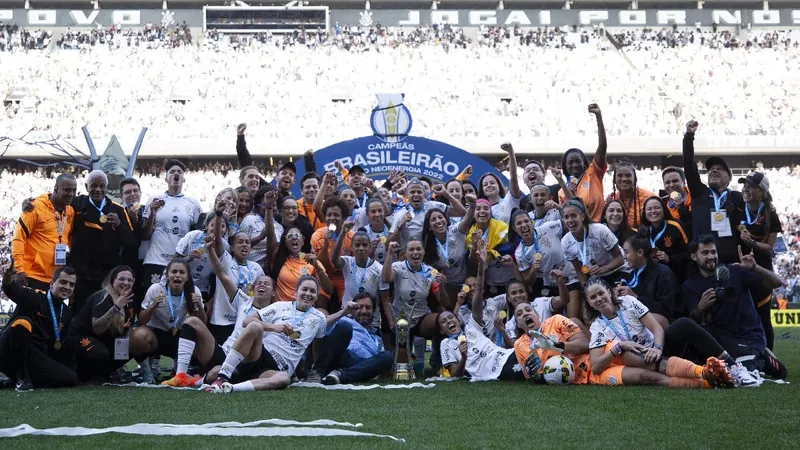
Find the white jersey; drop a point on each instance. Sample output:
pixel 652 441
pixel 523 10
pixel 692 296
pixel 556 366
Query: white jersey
pixel 253 225
pixel 485 360
pixel 363 279
pixel 552 215
pixel 413 229
pixel 502 209
pixel 172 222
pixel 224 313
pixel 411 291
pixel 200 268
pixel 243 304
pixel 631 311
pixel 594 250
pixel 452 256
pixel 173 307
pixel 380 249
pixel 544 309
pixel 548 237
pixel 309 325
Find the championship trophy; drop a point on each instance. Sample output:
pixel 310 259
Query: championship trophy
pixel 402 342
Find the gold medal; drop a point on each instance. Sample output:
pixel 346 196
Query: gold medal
pixel 585 270
pixel 718 217
pixel 250 290
pixel 383 240
pixel 302 256
pixel 201 250
pixel 465 289
pixel 502 315
pixel 294 335
pixel 742 227
pixel 103 218
pixel 136 206
pixel 462 338
pixel 545 292
pixel 57 345
pixel 538 257
pixel 674 195
pixel 434 273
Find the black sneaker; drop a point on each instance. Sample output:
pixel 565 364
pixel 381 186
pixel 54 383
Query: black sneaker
pixel 24 385
pixel 314 377
pixel 332 378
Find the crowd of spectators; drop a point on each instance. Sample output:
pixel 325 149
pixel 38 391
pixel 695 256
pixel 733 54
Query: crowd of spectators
pixel 281 84
pixel 13 38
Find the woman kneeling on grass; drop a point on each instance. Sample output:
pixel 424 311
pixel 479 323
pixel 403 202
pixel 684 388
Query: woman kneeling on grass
pixel 469 351
pixel 623 332
pixel 272 343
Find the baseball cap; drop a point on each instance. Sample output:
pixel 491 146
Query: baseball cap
pixel 356 168
pixel 289 165
pixel 756 179
pixel 716 160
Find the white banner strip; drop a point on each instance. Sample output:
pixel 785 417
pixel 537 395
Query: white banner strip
pixel 241 430
pixel 450 379
pixel 358 387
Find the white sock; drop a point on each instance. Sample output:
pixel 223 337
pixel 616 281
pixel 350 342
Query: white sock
pixel 185 350
pixel 243 386
pixel 232 361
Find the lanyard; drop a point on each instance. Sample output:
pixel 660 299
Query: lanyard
pixel 172 306
pixel 747 213
pixel 535 246
pixel 354 270
pixel 362 202
pixel 296 323
pixel 444 249
pixel 584 247
pixel 658 236
pixel 243 280
pixel 99 208
pixel 719 200
pixel 634 281
pixel 372 235
pixel 234 226
pixel 614 329
pixel 56 331
pixel 538 222
pixel 199 241
pixel 59 224
pixel 425 271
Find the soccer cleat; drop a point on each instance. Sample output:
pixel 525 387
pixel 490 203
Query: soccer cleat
pixel 741 377
pixel 332 378
pixel 181 380
pixel 314 377
pixel 716 373
pixel 24 385
pixel 219 386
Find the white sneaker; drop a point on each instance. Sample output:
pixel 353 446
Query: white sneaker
pixel 742 377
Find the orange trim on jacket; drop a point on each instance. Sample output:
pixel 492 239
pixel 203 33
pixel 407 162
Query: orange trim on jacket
pixel 34 245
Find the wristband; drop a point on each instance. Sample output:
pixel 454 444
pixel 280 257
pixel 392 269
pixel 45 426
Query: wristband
pixel 658 346
pixel 559 345
pixel 116 309
pixel 617 350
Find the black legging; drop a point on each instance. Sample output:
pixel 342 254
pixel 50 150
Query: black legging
pixel 765 314
pixel 686 339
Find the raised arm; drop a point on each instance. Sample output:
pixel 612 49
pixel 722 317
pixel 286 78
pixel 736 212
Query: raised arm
pixel 602 142
pixel 469 217
pixel 693 181
pixel 513 178
pixel 319 200
pixel 477 297
pixel 456 208
pixel 221 272
pixel 388 273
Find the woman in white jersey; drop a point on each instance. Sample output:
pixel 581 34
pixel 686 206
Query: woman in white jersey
pixel 591 248
pixel 418 206
pixel 197 342
pixel 260 225
pixel 624 327
pixel 273 342
pixel 192 248
pixel 245 272
pixel 169 217
pixel 230 197
pixel 413 282
pixel 361 273
pixel 467 351
pixel 377 230
pixel 490 188
pixel 445 246
pixel 164 309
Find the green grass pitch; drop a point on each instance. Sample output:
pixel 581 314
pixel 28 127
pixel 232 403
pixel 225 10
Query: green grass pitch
pixel 451 415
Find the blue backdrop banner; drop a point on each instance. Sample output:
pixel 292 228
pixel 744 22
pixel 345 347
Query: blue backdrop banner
pixel 391 148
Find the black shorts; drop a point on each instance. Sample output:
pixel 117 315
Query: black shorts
pixel 167 343
pixel 251 370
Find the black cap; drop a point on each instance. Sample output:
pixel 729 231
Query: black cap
pixel 716 160
pixel 289 165
pixel 756 179
pixel 357 168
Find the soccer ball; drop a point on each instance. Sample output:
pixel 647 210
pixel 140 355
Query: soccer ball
pixel 558 370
